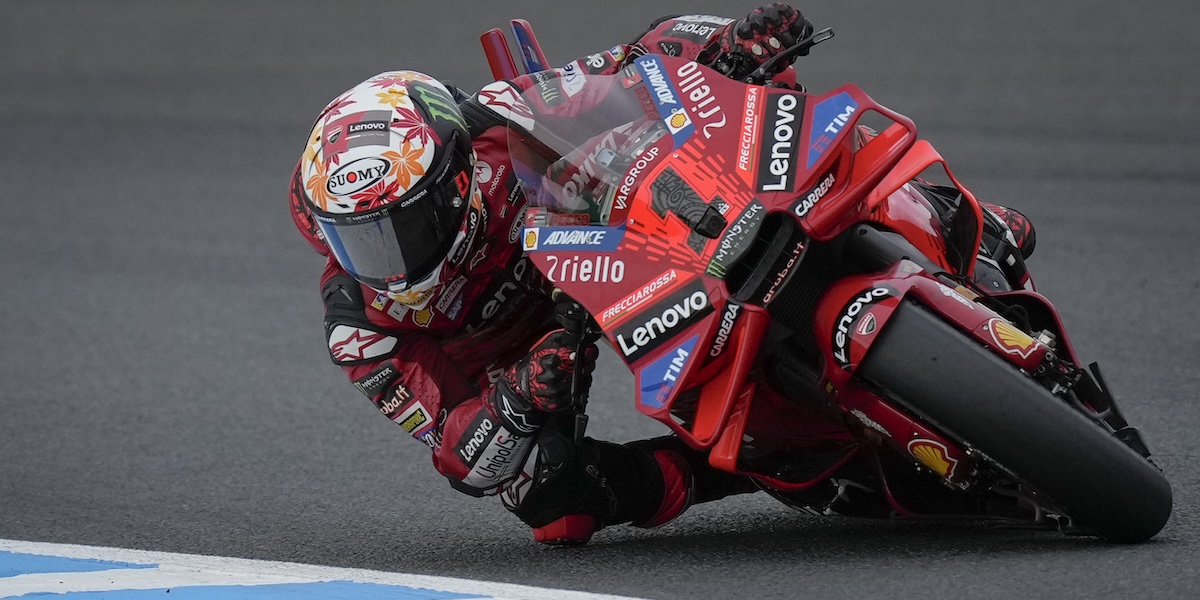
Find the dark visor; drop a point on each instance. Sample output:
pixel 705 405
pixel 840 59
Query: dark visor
pixel 405 240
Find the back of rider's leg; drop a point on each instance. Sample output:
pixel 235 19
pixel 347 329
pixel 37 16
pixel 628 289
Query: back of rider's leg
pixel 646 483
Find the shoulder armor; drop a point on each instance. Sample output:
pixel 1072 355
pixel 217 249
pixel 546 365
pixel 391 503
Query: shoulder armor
pixel 351 337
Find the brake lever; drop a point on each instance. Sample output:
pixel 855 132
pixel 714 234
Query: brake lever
pixel 759 75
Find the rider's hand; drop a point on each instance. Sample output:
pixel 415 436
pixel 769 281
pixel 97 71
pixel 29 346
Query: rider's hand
pixel 744 45
pixel 543 378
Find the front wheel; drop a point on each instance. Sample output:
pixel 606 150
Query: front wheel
pixel 965 390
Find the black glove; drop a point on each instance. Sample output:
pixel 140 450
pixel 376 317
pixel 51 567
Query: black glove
pixel 744 45
pixel 540 383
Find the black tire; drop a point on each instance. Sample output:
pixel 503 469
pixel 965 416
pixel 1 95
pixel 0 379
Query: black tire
pixel 965 390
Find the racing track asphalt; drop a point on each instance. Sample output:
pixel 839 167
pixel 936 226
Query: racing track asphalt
pixel 163 383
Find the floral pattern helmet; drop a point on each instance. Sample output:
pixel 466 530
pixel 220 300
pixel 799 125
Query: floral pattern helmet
pixel 387 178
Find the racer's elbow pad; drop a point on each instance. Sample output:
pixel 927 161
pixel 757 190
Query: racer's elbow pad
pixel 493 454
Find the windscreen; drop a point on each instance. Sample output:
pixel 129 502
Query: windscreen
pixel 586 132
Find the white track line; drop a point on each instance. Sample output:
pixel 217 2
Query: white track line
pixel 131 579
pixel 185 570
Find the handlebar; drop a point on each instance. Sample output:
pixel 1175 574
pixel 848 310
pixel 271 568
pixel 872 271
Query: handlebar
pixel 801 48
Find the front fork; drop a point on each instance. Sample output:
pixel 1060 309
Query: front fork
pixel 1089 393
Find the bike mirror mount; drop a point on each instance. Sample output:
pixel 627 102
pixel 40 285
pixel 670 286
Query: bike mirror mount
pixel 701 218
pixel 759 75
pixel 711 224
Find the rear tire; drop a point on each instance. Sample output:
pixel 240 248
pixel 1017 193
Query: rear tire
pixel 966 391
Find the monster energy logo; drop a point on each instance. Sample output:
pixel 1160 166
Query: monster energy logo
pixel 439 104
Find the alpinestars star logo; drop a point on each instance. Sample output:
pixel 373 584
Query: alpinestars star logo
pixel 504 100
pixel 350 344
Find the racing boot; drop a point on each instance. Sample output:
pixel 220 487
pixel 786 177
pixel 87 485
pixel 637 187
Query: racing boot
pixel 569 530
pixel 1019 226
pixel 620 484
pixel 1008 240
pixel 646 484
pixel 678 488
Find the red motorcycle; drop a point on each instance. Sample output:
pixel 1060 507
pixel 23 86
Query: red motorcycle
pixel 798 296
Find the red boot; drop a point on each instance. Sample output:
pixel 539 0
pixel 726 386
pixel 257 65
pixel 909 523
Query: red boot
pixel 1020 226
pixel 571 530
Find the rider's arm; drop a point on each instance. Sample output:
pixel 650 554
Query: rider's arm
pixel 413 382
pixel 480 440
pixel 733 47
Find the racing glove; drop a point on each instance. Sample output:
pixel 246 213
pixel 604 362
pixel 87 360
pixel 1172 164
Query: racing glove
pixel 743 45
pixel 540 383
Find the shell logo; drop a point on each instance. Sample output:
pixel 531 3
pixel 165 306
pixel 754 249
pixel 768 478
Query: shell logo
pixel 1011 339
pixel 677 121
pixel 423 317
pixel 531 239
pixel 933 455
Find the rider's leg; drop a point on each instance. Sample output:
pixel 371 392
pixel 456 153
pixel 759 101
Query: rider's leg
pixel 568 492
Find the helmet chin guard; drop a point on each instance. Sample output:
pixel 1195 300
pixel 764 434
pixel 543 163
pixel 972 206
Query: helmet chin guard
pixel 416 295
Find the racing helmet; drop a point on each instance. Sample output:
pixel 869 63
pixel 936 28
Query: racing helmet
pixel 387 177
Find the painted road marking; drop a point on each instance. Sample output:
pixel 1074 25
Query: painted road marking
pixel 12 564
pixel 95 573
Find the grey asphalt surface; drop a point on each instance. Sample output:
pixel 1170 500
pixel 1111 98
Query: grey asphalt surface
pixel 163 383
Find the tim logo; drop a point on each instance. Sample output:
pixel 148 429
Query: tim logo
pixel 830 116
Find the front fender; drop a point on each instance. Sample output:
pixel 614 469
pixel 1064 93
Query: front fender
pixel 855 309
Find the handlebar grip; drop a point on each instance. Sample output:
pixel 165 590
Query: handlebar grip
pixel 759 75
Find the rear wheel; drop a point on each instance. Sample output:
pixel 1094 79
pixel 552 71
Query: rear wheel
pixel 944 377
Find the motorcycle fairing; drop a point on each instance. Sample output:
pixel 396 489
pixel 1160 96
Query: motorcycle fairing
pixel 658 378
pixel 830 116
pixel 659 325
pixel 666 98
pixel 846 181
pixel 646 314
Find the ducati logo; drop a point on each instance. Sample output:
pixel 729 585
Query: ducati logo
pixel 867 325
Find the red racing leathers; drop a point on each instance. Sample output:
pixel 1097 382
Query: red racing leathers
pixel 432 368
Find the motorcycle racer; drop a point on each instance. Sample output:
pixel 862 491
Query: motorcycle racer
pixel 431 309
pixel 435 315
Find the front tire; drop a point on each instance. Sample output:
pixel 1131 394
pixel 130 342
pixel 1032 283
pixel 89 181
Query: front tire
pixel 966 391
